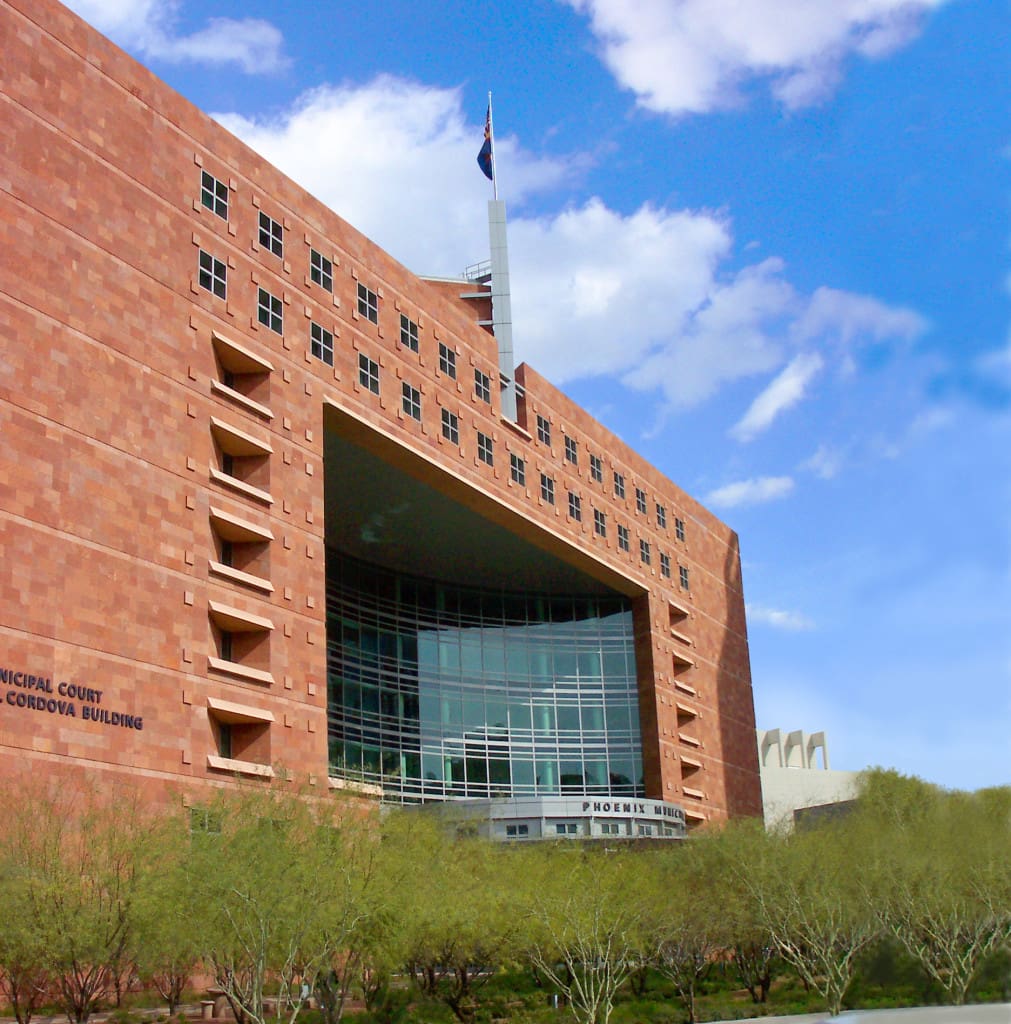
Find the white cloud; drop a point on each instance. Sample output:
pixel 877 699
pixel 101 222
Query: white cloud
pixel 734 333
pixel 793 622
pixel 755 491
pixel 824 463
pixel 410 181
pixel 691 56
pixel 595 291
pixel 845 317
pixel 642 296
pixel 148 27
pixel 786 390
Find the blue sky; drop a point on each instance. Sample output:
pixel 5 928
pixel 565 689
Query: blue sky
pixel 765 241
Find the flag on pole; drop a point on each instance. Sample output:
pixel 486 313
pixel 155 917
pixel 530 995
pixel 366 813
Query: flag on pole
pixel 485 160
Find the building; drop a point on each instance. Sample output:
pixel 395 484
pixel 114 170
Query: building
pixel 272 503
pixel 797 780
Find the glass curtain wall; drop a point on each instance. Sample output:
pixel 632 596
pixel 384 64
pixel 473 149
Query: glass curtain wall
pixel 438 691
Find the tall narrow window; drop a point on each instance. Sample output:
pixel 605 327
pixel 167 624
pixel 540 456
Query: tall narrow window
pixel 619 485
pixel 661 516
pixel 271 234
pixel 412 401
pixel 368 373
pixel 547 489
pixel 683 575
pixel 571 450
pixel 320 270
pixel 482 386
pixel 212 274
pixel 575 507
pixel 640 501
pixel 450 426
pixel 269 310
pixel 623 542
pixel 543 430
pixel 321 343
pixel 485 449
pixel 517 469
pixel 408 333
pixel 679 529
pixel 214 194
pixel 597 468
pixel 447 360
pixel 599 523
pixel 368 303
pixel 644 552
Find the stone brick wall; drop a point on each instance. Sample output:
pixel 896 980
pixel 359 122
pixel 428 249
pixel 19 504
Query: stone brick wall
pixel 117 416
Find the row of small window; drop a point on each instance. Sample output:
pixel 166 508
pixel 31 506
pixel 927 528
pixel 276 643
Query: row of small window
pixel 607 828
pixel 597 474
pixel 214 196
pixel 270 313
pixel 368 376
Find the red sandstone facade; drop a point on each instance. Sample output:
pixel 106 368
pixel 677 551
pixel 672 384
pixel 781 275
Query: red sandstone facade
pixel 146 422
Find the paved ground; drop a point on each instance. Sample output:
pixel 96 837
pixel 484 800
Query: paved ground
pixel 991 1013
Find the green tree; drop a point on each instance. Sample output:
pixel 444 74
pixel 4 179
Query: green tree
pixel 285 888
pixel 807 893
pixel 751 953
pixel 586 910
pixel 79 860
pixel 453 909
pixel 169 914
pixel 939 860
pixel 24 978
pixel 685 936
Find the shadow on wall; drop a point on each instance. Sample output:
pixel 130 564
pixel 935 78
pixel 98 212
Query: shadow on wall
pixel 734 699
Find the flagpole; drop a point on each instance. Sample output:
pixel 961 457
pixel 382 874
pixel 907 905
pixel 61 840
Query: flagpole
pixel 491 135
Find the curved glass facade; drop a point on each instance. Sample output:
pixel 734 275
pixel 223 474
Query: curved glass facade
pixel 438 691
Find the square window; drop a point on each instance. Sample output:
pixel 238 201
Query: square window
pixel 408 333
pixel 661 516
pixel 214 194
pixel 482 386
pixel 543 430
pixel 412 401
pixel 575 507
pixel 212 274
pixel 485 449
pixel 571 451
pixel 644 552
pixel 450 426
pixel 447 360
pixel 547 489
pixel 679 529
pixel 619 485
pixel 640 501
pixel 599 523
pixel 517 469
pixel 683 575
pixel 623 538
pixel 597 468
pixel 269 310
pixel 320 270
pixel 368 303
pixel 368 373
pixel 321 343
pixel 271 234
pixel 665 565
